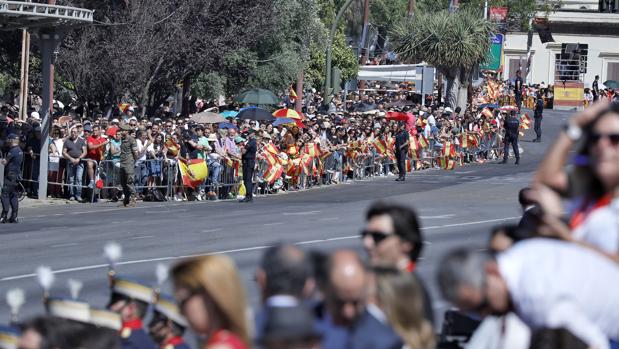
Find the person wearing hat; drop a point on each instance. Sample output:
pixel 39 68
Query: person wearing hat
pixel 168 325
pixel 248 158
pixel 130 299
pixel 9 337
pixel 12 172
pixel 128 157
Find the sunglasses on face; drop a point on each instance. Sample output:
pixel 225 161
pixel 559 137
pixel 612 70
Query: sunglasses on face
pixel 612 137
pixel 376 236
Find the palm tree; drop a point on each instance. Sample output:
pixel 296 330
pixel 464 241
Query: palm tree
pixel 453 43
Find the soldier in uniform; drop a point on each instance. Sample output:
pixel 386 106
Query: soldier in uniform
pixel 12 173
pixel 128 157
pixel 130 299
pixel 512 127
pixel 168 325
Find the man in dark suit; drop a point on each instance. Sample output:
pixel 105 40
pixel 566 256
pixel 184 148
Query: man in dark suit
pixel 284 277
pixel 518 85
pixel 596 88
pixel 249 163
pixel 401 149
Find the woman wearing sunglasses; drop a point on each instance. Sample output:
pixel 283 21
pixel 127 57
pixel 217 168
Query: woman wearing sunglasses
pixel 212 299
pixel 593 184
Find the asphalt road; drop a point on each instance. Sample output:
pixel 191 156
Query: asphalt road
pixel 456 208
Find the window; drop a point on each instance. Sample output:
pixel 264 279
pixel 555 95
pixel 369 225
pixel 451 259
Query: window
pixel 612 71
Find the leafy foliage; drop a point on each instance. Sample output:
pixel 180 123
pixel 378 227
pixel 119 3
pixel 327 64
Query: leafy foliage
pixel 449 42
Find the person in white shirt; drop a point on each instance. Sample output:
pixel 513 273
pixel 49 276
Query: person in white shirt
pixel 547 283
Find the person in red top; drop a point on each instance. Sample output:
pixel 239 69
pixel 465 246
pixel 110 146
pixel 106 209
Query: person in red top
pixel 212 299
pixel 96 147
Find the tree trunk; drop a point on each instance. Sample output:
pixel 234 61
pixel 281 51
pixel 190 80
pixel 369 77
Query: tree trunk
pixel 298 104
pixel 452 90
pixel 440 87
pixel 462 92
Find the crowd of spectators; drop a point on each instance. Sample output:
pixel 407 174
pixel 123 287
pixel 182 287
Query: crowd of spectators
pixel 347 134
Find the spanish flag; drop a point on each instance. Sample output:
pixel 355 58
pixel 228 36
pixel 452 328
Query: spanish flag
pixel 423 142
pixel 306 164
pixel 487 113
pixel 449 149
pixel 193 173
pixel 293 150
pixel 473 139
pixel 409 167
pixel 172 146
pixel 311 149
pixel 463 141
pixel 270 158
pixel 442 162
pixel 271 148
pixel 380 146
pixel 273 173
pixel 293 94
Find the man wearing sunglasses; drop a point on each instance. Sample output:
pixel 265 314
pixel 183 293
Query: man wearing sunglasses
pixel 547 283
pixel 392 238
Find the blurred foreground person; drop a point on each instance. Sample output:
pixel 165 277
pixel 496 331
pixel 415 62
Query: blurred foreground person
pixel 130 299
pixel 547 283
pixel 290 327
pixel 285 280
pixel 556 338
pixel 49 332
pixel 167 325
pixel 594 183
pixel 401 299
pixel 345 297
pixel 392 238
pixel 212 299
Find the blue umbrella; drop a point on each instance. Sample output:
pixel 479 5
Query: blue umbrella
pixel 229 114
pixel 226 125
pixel 488 105
pixel 283 121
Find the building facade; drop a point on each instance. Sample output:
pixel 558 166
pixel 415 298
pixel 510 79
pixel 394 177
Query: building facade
pixel 575 22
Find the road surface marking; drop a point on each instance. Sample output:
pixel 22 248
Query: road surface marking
pixel 272 224
pixel 438 217
pixel 142 237
pixel 65 245
pixel 212 230
pixel 300 213
pixel 328 219
pixel 246 249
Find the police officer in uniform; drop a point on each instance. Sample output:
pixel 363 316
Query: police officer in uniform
pixel 249 163
pixel 12 173
pixel 131 299
pixel 401 149
pixel 168 325
pixel 512 126
pixel 128 157
pixel 538 114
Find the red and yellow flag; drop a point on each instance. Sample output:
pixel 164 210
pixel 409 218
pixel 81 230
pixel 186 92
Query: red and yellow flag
pixel 271 148
pixel 293 94
pixel 423 142
pixel 273 173
pixel 312 150
pixel 449 149
pixel 293 150
pixel 380 146
pixel 193 173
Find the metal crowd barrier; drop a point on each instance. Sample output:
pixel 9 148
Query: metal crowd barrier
pixel 224 180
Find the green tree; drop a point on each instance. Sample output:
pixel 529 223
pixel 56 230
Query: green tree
pixel 383 14
pixel 453 43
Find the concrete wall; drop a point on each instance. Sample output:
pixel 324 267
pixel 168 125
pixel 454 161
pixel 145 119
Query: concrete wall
pixel 602 49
